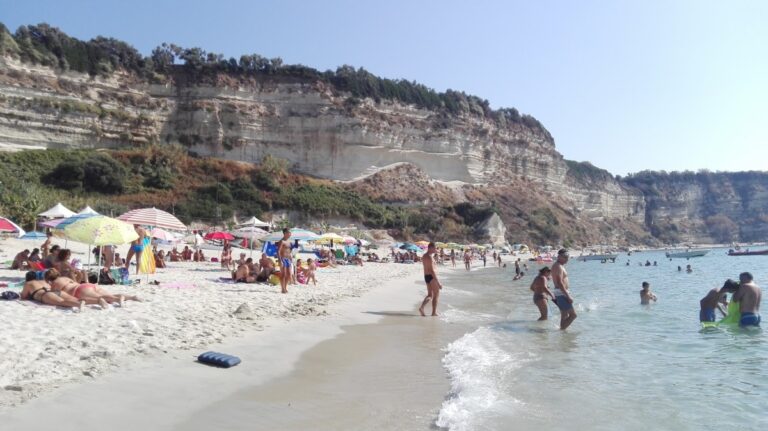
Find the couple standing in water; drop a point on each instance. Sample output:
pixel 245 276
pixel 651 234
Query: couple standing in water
pixel 562 294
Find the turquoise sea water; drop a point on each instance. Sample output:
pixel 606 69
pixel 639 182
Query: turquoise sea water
pixel 621 365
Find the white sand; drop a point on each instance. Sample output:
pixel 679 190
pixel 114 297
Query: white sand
pixel 43 348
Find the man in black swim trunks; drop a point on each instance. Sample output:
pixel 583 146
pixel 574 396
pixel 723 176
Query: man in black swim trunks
pixel 430 277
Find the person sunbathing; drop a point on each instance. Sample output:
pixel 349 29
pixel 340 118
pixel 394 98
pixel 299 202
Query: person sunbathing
pixel 267 268
pixel 88 292
pixel 21 261
pixel 40 291
pixel 243 273
pixel 64 268
pixel 160 259
pixel 186 254
pixel 241 260
pixel 175 255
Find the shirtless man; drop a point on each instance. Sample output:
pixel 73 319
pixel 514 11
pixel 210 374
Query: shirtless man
pixel 46 246
pixel 646 296
pixel 21 261
pixel 467 259
pixel 40 291
pixel 712 301
pixel 266 268
pixel 430 277
pixel 748 296
pixel 137 248
pixel 563 298
pixel 285 259
pixel 539 288
pixel 243 273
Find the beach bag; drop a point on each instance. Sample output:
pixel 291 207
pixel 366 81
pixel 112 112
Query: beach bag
pixel 106 277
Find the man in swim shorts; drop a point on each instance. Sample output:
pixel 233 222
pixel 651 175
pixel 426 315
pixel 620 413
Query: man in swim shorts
pixel 748 296
pixel 284 259
pixel 430 277
pixel 713 301
pixel 563 298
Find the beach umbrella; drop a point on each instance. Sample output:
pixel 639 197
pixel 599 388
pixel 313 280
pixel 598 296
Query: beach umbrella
pixel 162 234
pixel 219 236
pixel 57 211
pixel 100 230
pixel 250 232
pixel 59 229
pixel 346 239
pixel 296 233
pixel 153 217
pixel 8 226
pixel 34 235
pixel 410 247
pixel 422 244
pixel 52 223
pixel 329 237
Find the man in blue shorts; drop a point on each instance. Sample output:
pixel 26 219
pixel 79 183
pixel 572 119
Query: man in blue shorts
pixel 563 298
pixel 713 301
pixel 748 296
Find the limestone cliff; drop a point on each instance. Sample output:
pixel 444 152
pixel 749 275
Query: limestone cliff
pixel 326 133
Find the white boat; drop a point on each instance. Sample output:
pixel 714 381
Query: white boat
pixel 600 257
pixel 687 254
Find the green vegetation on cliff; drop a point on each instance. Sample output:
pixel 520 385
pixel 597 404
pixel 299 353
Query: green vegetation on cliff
pixel 49 46
pixel 201 189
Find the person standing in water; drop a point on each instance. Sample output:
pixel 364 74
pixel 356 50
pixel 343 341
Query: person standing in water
pixel 284 259
pixel 713 301
pixel 748 296
pixel 430 277
pixel 646 296
pixel 563 298
pixel 539 288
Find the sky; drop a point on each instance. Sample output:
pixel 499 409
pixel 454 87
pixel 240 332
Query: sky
pixel 626 85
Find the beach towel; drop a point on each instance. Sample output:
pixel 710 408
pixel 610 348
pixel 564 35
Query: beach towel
pixel 147 263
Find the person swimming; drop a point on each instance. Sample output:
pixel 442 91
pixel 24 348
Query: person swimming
pixel 646 296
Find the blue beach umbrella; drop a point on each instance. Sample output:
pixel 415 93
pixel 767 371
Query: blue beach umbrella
pixel 34 235
pixel 410 247
pixel 296 234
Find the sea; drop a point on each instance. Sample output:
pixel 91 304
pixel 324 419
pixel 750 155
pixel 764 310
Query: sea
pixel 620 366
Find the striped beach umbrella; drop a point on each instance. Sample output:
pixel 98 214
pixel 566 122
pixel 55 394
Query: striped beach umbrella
pixel 153 217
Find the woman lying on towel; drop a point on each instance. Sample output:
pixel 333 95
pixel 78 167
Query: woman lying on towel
pixel 40 291
pixel 90 293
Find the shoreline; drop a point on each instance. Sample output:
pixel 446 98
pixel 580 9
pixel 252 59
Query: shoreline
pixel 152 386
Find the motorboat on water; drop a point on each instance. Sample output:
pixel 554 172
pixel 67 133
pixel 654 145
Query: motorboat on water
pixel 600 257
pixel 747 252
pixel 687 254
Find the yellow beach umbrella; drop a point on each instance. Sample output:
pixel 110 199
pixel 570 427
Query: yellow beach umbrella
pixel 100 230
pixel 327 237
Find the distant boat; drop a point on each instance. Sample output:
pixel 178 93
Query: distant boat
pixel 747 253
pixel 687 254
pixel 598 257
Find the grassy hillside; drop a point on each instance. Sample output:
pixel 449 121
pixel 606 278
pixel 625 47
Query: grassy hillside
pixel 199 189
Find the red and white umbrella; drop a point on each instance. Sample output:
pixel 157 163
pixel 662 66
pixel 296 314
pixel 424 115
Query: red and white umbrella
pixel 9 226
pixel 153 217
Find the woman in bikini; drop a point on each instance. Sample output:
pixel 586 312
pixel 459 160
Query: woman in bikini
pixel 88 292
pixel 40 291
pixel 539 288
pixel 65 268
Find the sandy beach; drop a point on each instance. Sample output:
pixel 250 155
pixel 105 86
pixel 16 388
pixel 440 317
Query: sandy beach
pixel 142 356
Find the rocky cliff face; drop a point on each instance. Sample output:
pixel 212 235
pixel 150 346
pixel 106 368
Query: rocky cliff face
pixel 325 134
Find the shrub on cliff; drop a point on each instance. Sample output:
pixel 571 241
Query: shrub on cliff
pixel 97 173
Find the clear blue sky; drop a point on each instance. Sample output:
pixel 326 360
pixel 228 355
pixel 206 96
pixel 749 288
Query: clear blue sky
pixel 627 85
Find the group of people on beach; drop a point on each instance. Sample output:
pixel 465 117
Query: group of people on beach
pixel 62 291
pixel 562 293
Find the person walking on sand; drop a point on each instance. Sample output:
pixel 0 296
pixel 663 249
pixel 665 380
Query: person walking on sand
pixel 539 288
pixel 137 248
pixel 646 296
pixel 285 259
pixel 467 258
pixel 453 258
pixel 430 277
pixel 563 298
pixel 748 296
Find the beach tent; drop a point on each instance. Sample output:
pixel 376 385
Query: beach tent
pixel 253 222
pixel 8 226
pixel 153 217
pixel 87 210
pixel 57 211
pixel 250 232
